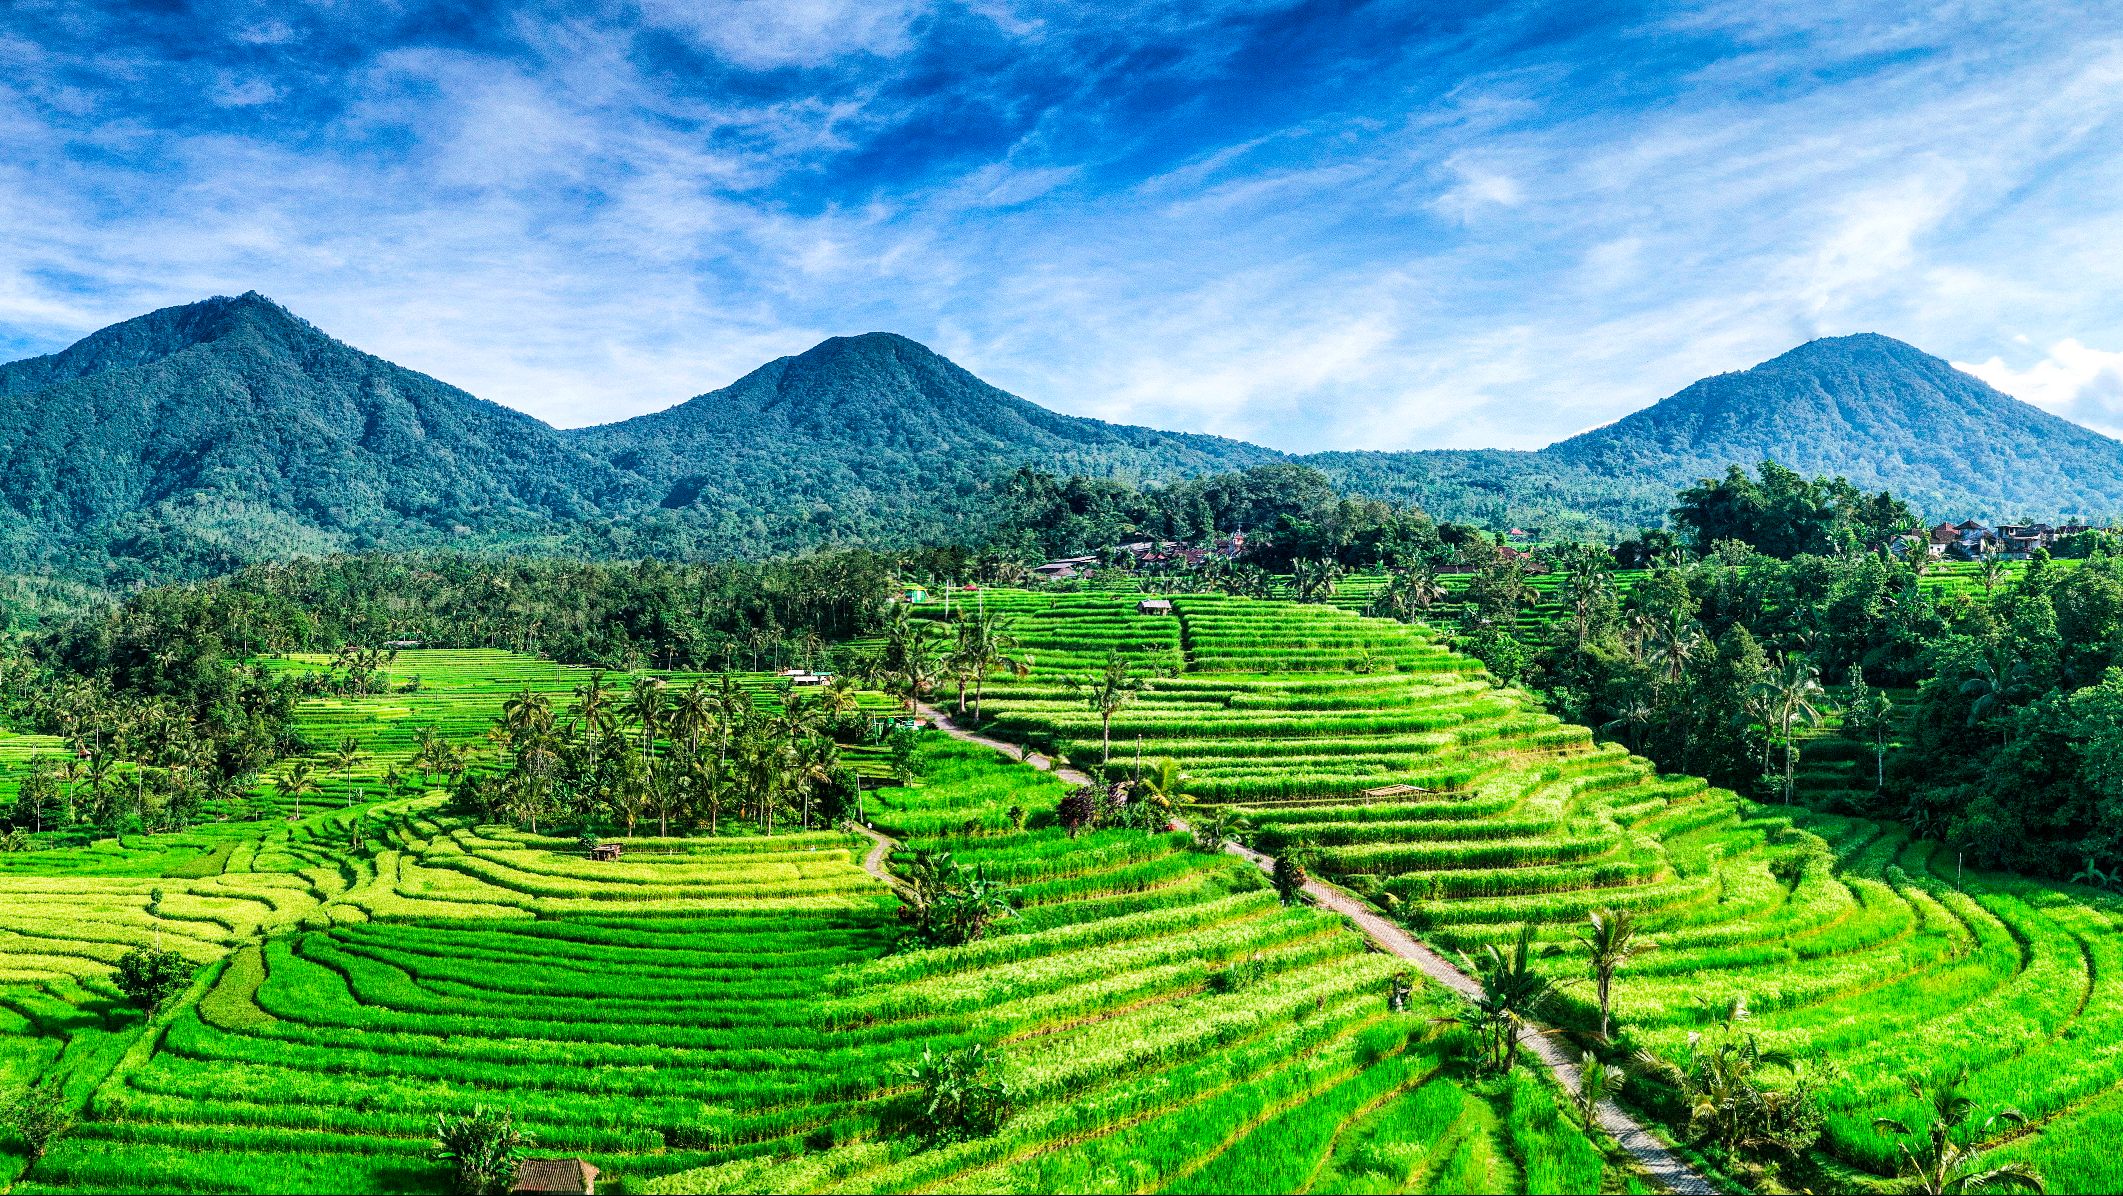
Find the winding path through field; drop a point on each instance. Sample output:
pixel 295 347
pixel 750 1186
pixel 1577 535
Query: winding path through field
pixel 1665 1167
pixel 881 845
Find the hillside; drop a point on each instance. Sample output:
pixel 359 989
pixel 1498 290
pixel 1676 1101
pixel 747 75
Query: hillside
pixel 1867 407
pixel 230 430
pixel 225 432
pixel 870 437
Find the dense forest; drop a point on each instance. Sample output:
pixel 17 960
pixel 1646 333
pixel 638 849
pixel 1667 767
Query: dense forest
pixel 1783 601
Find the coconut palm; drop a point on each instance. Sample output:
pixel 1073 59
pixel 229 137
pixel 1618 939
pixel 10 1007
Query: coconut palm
pixel 1935 1163
pixel 1107 693
pixel 1991 568
pixel 295 782
pixel 646 705
pixel 1793 696
pixel 1610 939
pixel 1512 995
pixel 988 643
pixel 1596 1082
pixel 1313 581
pixel 346 756
pixel 1995 679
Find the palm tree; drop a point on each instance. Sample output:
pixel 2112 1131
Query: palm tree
pixel 1938 1165
pixel 645 705
pixel 918 665
pixel 1512 995
pixel 1994 679
pixel 346 756
pixel 814 766
pixel 1590 584
pixel 1406 592
pixel 1992 567
pixel 988 642
pixel 295 782
pixel 693 716
pixel 1313 581
pixel 1596 1082
pixel 1106 694
pixel 1794 696
pixel 1636 714
pixel 1610 942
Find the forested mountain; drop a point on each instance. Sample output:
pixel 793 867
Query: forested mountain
pixel 225 432
pixel 869 437
pixel 1868 408
pixel 229 430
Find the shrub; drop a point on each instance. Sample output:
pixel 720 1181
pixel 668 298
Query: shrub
pixel 39 1115
pixel 1239 976
pixel 1290 876
pixel 485 1148
pixel 960 1096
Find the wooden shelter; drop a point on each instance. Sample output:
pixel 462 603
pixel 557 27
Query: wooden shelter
pixel 606 851
pixel 574 1176
pixel 1154 606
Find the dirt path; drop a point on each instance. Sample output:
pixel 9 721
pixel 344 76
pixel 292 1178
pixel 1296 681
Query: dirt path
pixel 1666 1168
pixel 881 846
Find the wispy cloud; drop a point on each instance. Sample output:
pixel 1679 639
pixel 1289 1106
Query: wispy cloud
pixel 1396 225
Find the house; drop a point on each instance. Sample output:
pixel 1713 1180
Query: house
pixel 802 678
pixel 1064 569
pixel 1154 606
pixel 574 1176
pixel 1941 538
pixel 397 645
pixel 2021 539
pixel 607 852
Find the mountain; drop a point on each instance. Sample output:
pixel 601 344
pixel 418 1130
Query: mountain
pixel 1870 408
pixel 228 431
pixel 871 436
pixel 231 430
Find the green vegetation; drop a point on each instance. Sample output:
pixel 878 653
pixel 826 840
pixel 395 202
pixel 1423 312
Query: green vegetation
pixel 1820 961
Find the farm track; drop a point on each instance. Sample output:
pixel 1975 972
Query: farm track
pixel 1665 1167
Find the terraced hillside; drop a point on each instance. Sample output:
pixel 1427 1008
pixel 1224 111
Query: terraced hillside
pixel 1848 942
pixel 728 1013
pixel 1168 1026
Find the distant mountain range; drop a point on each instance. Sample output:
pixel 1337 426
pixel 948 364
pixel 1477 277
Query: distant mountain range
pixel 227 431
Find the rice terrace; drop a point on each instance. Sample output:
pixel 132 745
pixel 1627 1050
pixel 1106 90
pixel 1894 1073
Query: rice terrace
pixel 1249 596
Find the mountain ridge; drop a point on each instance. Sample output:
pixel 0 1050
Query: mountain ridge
pixel 231 430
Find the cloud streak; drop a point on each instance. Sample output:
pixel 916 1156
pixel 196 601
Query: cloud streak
pixel 1388 226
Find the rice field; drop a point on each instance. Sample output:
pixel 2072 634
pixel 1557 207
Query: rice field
pixel 1850 944
pixel 718 1014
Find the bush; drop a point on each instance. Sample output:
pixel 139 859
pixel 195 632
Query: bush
pixel 960 1095
pixel 39 1115
pixel 485 1147
pixel 1239 976
pixel 149 977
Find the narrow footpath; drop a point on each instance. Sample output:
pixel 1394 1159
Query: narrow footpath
pixel 1665 1167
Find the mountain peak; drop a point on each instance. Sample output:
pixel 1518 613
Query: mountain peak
pixel 1879 411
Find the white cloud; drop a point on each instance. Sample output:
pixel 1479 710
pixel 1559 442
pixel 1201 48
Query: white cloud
pixel 2080 383
pixel 776 33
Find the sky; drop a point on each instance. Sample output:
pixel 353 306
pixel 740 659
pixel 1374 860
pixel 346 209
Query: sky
pixel 1310 225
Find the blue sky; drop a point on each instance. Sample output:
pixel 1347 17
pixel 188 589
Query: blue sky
pixel 1322 225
